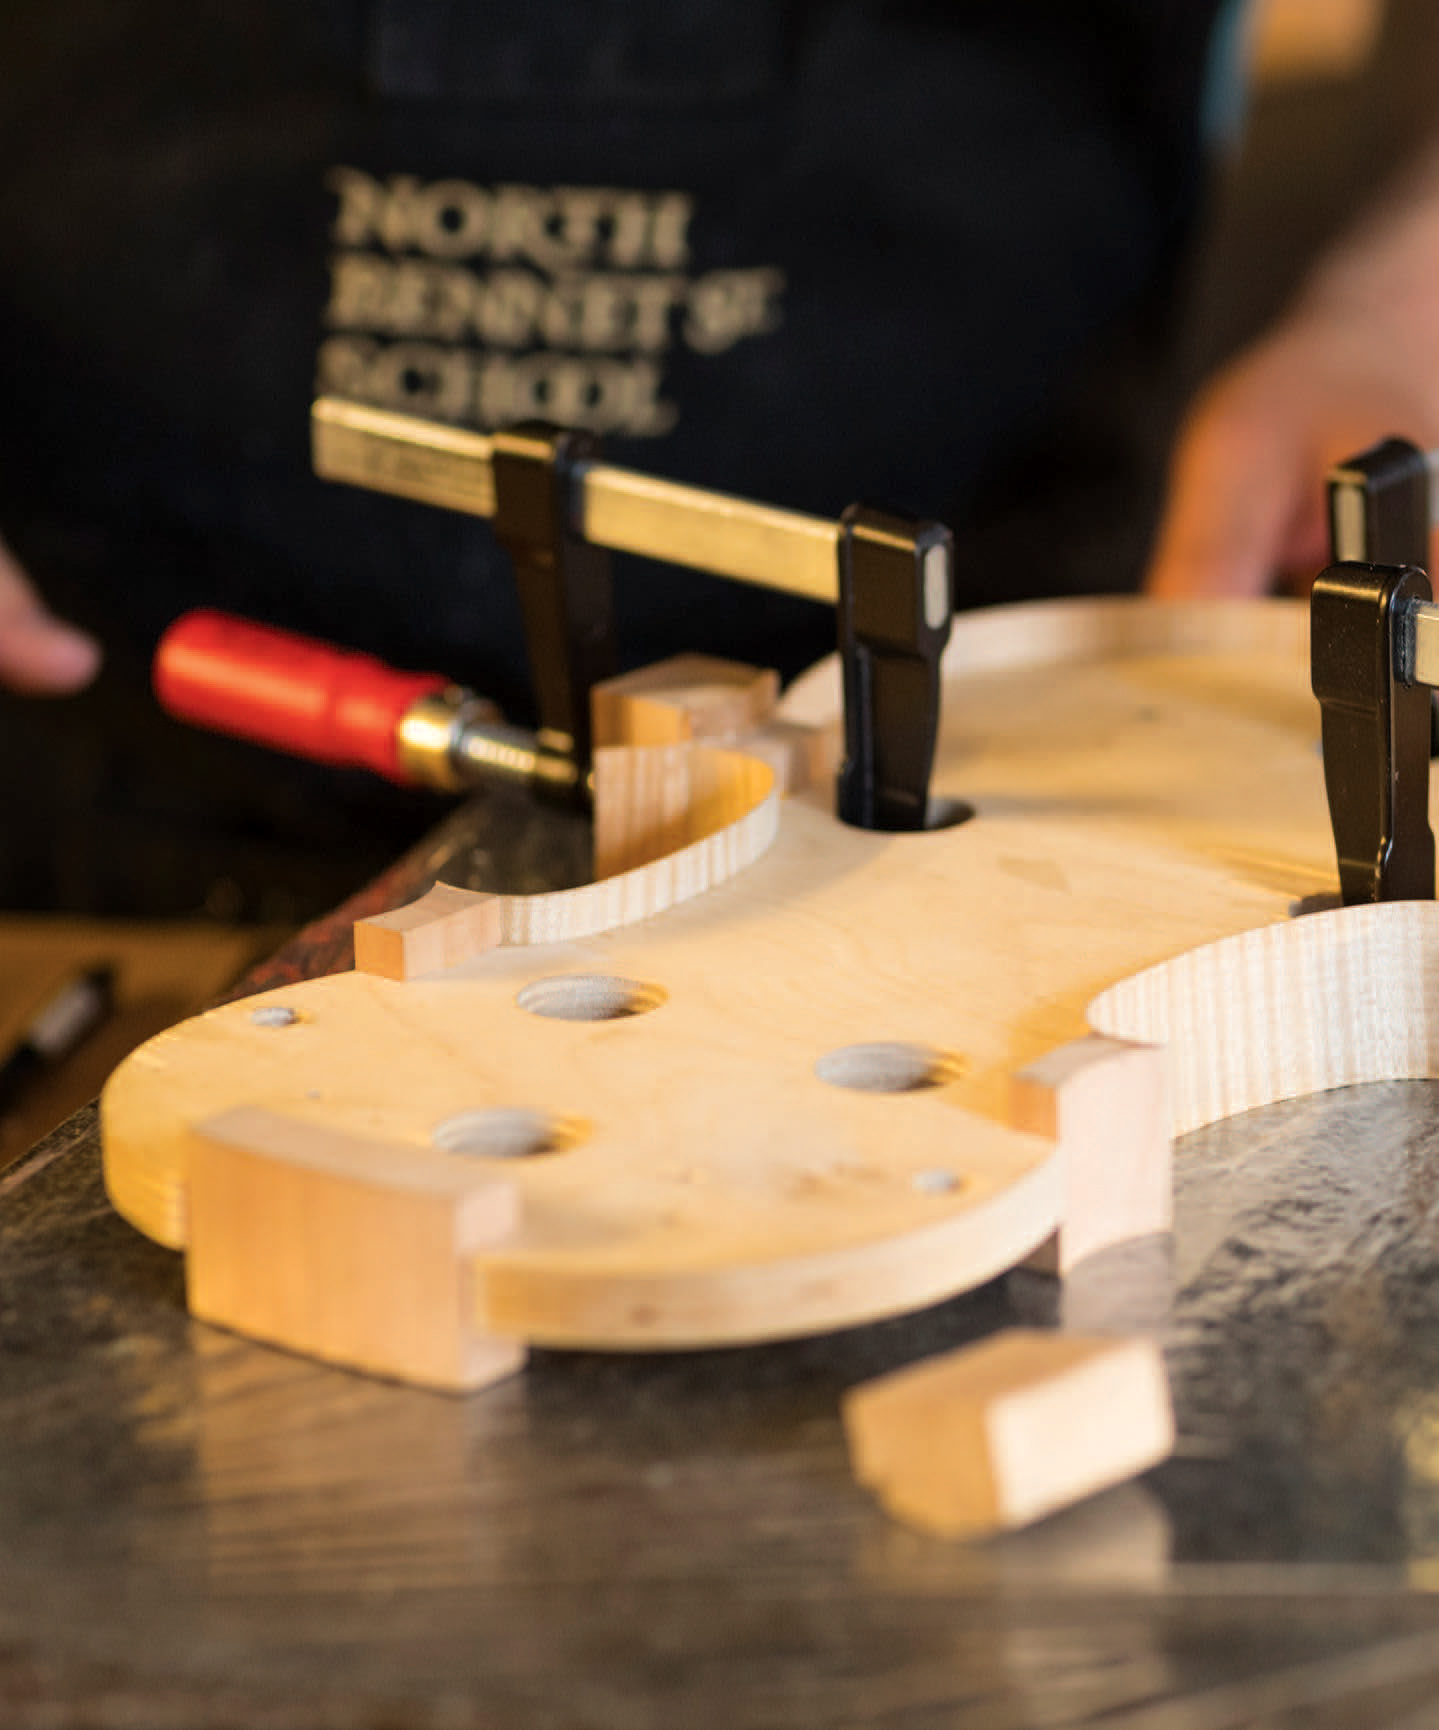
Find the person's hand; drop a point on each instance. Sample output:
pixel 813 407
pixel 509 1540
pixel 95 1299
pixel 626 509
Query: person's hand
pixel 1356 360
pixel 40 655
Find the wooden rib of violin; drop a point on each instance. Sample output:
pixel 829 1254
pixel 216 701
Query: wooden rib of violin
pixel 443 928
pixel 1328 1000
pixel 1147 781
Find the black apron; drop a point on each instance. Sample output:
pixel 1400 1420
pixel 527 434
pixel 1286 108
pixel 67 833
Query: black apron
pixel 809 253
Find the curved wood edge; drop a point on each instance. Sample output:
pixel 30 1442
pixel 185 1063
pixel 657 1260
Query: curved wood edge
pixel 787 1297
pixel 420 1284
pixel 671 822
pixel 417 1281
pixel 1102 627
pixel 1326 1000
pixel 1095 1106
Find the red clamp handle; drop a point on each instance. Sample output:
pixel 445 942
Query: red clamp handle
pixel 286 691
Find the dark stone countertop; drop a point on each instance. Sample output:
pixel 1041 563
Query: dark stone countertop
pixel 197 1531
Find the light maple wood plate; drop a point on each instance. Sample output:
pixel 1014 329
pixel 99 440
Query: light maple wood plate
pixel 795 1106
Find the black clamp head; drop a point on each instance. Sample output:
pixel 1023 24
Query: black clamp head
pixel 1379 506
pixel 566 593
pixel 896 598
pixel 1375 721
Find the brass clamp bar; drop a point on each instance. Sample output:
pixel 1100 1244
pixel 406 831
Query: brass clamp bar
pixel 612 507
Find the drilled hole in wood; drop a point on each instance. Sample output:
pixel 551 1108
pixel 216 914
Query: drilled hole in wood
pixel 505 1132
pixel 274 1015
pixel 887 1066
pixel 589 997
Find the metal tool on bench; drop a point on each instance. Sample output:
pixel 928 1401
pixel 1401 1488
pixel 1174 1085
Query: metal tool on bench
pixel 1374 634
pixel 555 506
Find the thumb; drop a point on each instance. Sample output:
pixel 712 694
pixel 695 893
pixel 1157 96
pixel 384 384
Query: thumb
pixel 40 655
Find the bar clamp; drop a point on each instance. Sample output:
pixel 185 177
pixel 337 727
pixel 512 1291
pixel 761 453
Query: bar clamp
pixel 564 582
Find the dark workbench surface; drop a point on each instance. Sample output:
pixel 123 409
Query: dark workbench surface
pixel 198 1531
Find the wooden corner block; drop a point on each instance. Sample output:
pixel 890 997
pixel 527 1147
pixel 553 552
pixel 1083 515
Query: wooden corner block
pixel 440 930
pixel 351 1250
pixel 1105 1102
pixel 800 755
pixel 999 1434
pixel 688 697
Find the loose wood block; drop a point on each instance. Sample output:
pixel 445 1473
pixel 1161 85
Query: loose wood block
pixel 999 1434
pixel 688 697
pixel 440 930
pixel 1105 1102
pixel 352 1250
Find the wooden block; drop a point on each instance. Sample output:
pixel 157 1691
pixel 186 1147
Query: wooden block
pixel 999 1434
pixel 686 698
pixel 800 755
pixel 1105 1102
pixel 440 930
pixel 352 1250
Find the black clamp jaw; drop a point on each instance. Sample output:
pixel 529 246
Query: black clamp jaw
pixel 1375 703
pixel 1379 507
pixel 1375 720
pixel 565 588
pixel 896 599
